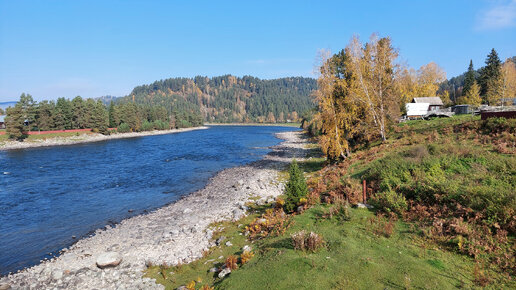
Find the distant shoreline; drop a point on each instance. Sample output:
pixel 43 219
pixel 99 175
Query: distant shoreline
pixel 87 138
pixel 293 125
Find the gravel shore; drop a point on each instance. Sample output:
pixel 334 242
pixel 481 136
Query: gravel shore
pixel 86 138
pixel 177 233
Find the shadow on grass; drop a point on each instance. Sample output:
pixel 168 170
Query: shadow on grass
pixel 284 243
pixel 312 165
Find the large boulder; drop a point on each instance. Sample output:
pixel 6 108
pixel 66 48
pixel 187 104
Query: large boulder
pixel 108 259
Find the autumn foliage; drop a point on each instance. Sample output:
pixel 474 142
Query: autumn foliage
pixel 362 90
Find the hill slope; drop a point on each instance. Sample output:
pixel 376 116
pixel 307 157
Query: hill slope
pixel 229 98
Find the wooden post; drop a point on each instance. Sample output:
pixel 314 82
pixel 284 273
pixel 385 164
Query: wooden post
pixel 364 200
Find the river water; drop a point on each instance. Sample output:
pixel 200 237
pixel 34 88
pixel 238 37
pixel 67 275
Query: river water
pixel 48 195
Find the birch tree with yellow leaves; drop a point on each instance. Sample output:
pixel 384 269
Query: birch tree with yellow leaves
pixel 429 77
pixel 332 143
pixel 374 72
pixel 508 80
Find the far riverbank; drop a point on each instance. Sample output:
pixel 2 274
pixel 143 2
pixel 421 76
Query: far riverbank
pixel 294 125
pixel 86 138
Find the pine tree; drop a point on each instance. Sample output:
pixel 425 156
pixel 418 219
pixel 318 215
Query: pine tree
pixel 44 117
pixel 490 78
pixel 28 109
pixel 469 78
pixel 296 187
pixel 112 123
pixel 15 123
pixel 79 113
pixel 100 118
pixel 63 114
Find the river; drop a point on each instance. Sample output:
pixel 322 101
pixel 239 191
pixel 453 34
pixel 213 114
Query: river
pixel 50 195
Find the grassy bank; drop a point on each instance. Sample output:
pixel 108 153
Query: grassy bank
pixel 444 196
pixel 356 256
pixel 44 136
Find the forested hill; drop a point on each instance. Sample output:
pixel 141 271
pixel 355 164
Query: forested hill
pixel 229 98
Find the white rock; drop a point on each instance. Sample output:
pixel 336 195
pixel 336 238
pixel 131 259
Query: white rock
pixel 108 259
pixel 229 244
pixel 224 272
pixel 57 274
pixel 238 214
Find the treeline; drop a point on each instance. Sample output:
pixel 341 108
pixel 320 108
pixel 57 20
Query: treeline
pixel 229 98
pixel 492 84
pixel 78 113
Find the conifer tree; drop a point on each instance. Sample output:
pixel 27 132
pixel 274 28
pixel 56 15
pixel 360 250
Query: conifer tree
pixel 490 78
pixel 15 123
pixel 79 113
pixel 296 187
pixel 469 78
pixel 100 118
pixel 63 114
pixel 112 123
pixel 28 109
pixel 44 117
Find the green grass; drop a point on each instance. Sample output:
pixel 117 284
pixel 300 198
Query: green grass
pixel 455 165
pixel 32 138
pixel 354 258
pixel 440 122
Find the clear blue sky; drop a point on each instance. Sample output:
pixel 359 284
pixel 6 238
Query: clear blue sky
pixel 63 48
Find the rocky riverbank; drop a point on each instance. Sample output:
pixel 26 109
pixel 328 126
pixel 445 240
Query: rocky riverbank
pixel 115 257
pixel 86 138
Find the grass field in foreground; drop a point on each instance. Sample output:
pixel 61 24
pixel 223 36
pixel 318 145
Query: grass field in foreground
pixel 354 258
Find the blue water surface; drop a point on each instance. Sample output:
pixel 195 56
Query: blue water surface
pixel 48 195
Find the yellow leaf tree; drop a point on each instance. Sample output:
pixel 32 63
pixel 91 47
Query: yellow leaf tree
pixel 508 81
pixel 332 143
pixel 472 96
pixel 374 68
pixel 429 77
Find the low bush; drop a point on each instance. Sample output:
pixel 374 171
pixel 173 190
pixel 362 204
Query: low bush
pixel 340 210
pixel 246 257
pixel 123 128
pixel 382 226
pixel 307 242
pixel 273 222
pixel 231 262
pixel 160 125
pixel 147 126
pixel 390 201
